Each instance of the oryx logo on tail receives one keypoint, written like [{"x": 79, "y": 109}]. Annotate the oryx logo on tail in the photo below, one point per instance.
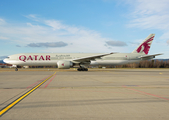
[{"x": 144, "y": 47}]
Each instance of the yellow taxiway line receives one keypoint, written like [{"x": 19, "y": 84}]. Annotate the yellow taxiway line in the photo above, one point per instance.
[{"x": 5, "y": 109}]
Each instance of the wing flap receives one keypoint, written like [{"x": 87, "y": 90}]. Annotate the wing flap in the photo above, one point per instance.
[{"x": 89, "y": 58}]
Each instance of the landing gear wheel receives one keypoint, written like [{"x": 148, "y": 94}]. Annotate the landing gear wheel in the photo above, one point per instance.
[
  {"x": 16, "y": 69},
  {"x": 82, "y": 69},
  {"x": 79, "y": 69}
]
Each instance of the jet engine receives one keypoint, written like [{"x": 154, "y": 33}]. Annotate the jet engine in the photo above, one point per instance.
[{"x": 64, "y": 64}]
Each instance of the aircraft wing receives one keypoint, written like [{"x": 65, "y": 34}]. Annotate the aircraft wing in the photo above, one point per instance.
[
  {"x": 148, "y": 56},
  {"x": 89, "y": 58}
]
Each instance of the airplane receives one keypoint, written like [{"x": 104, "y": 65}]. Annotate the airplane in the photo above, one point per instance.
[{"x": 68, "y": 60}]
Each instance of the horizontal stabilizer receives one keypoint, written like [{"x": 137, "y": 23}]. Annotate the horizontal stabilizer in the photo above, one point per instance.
[{"x": 147, "y": 56}]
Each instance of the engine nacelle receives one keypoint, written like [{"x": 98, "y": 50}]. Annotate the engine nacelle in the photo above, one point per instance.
[{"x": 64, "y": 64}]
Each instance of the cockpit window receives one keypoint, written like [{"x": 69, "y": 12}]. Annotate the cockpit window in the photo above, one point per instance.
[{"x": 7, "y": 57}]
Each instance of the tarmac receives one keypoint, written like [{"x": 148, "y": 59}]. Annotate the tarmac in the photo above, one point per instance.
[{"x": 99, "y": 94}]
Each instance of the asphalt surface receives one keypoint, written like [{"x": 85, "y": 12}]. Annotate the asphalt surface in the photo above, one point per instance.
[{"x": 110, "y": 94}]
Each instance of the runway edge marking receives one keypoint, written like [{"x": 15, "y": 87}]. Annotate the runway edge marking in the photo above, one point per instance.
[{"x": 12, "y": 104}]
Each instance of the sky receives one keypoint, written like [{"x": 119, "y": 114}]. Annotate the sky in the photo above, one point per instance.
[{"x": 82, "y": 26}]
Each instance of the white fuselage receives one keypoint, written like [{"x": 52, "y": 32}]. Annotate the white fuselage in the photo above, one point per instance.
[{"x": 51, "y": 59}]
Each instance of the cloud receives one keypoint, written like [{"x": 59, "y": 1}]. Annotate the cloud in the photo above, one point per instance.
[
  {"x": 149, "y": 14},
  {"x": 3, "y": 38},
  {"x": 151, "y": 22},
  {"x": 116, "y": 43},
  {"x": 18, "y": 46},
  {"x": 2, "y": 21},
  {"x": 168, "y": 42},
  {"x": 69, "y": 30},
  {"x": 53, "y": 35},
  {"x": 55, "y": 24},
  {"x": 33, "y": 17},
  {"x": 165, "y": 36},
  {"x": 52, "y": 44}
]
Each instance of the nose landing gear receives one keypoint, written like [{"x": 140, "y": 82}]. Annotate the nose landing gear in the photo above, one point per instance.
[{"x": 16, "y": 69}]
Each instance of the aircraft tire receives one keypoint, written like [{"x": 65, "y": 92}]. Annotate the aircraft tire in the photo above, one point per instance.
[{"x": 82, "y": 69}]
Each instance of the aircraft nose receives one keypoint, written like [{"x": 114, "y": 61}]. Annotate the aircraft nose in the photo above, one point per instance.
[{"x": 4, "y": 61}]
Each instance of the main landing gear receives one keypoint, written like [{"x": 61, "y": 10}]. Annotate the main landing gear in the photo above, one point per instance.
[{"x": 82, "y": 69}]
